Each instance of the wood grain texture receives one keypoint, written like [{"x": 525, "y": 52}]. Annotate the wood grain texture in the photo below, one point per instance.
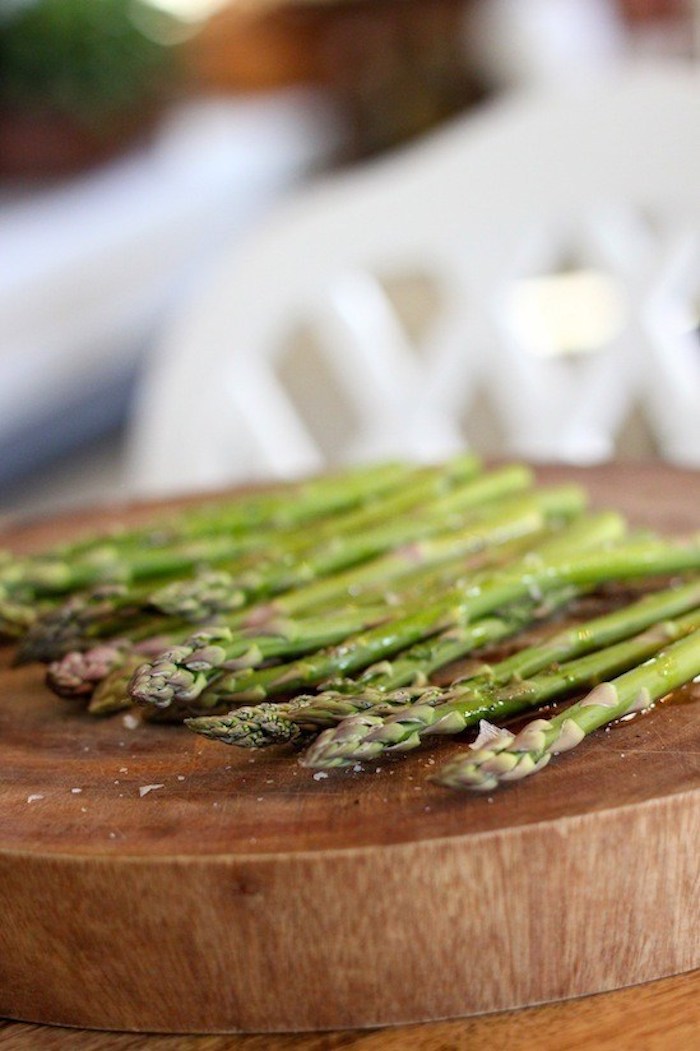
[
  {"x": 652, "y": 1017},
  {"x": 245, "y": 895}
]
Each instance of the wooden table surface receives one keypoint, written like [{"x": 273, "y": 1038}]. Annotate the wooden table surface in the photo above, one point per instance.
[
  {"x": 653, "y": 1017},
  {"x": 660, "y": 1014}
]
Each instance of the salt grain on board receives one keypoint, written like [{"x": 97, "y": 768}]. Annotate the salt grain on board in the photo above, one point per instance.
[
  {"x": 130, "y": 721},
  {"x": 319, "y": 775},
  {"x": 145, "y": 789},
  {"x": 76, "y": 791},
  {"x": 33, "y": 798}
]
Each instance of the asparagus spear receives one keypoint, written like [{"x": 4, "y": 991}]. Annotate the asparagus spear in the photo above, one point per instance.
[
  {"x": 78, "y": 676},
  {"x": 336, "y": 554},
  {"x": 368, "y": 736},
  {"x": 284, "y": 554},
  {"x": 282, "y": 508},
  {"x": 72, "y": 675},
  {"x": 224, "y": 592},
  {"x": 453, "y": 708},
  {"x": 404, "y": 564},
  {"x": 500, "y": 756},
  {"x": 75, "y": 673},
  {"x": 110, "y": 693},
  {"x": 219, "y": 533},
  {"x": 183, "y": 674},
  {"x": 308, "y": 501},
  {"x": 276, "y": 723},
  {"x": 116, "y": 609},
  {"x": 180, "y": 674},
  {"x": 417, "y": 663},
  {"x": 459, "y": 606},
  {"x": 78, "y": 673}
]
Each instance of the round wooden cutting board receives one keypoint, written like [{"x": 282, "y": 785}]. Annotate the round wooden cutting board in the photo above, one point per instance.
[{"x": 153, "y": 880}]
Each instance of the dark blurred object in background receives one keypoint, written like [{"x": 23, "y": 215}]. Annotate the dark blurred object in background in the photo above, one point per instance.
[
  {"x": 79, "y": 79},
  {"x": 398, "y": 69},
  {"x": 395, "y": 67}
]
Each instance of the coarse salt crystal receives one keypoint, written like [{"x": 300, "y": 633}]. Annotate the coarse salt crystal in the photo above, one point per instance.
[
  {"x": 130, "y": 721},
  {"x": 145, "y": 789},
  {"x": 181, "y": 777},
  {"x": 320, "y": 775},
  {"x": 33, "y": 798},
  {"x": 76, "y": 791}
]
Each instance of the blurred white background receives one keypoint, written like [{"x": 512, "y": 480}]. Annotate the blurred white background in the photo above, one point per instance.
[{"x": 123, "y": 177}]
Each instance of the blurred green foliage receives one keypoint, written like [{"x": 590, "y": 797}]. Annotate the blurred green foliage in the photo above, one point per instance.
[{"x": 91, "y": 60}]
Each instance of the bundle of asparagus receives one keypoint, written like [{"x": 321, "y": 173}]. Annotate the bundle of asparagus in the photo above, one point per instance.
[{"x": 335, "y": 603}]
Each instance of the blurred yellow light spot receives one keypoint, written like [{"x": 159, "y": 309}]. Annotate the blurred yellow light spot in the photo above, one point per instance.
[{"x": 574, "y": 312}]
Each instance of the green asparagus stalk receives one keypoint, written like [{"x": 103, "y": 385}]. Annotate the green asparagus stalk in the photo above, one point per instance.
[
  {"x": 75, "y": 673},
  {"x": 183, "y": 674},
  {"x": 78, "y": 676},
  {"x": 368, "y": 736},
  {"x": 19, "y": 610},
  {"x": 459, "y": 606},
  {"x": 291, "y": 506},
  {"x": 283, "y": 555},
  {"x": 222, "y": 532},
  {"x": 110, "y": 694},
  {"x": 470, "y": 699},
  {"x": 55, "y": 577},
  {"x": 416, "y": 664},
  {"x": 71, "y": 675},
  {"x": 284, "y": 507},
  {"x": 277, "y": 723},
  {"x": 337, "y": 554},
  {"x": 404, "y": 565},
  {"x": 415, "y": 494},
  {"x": 223, "y": 591},
  {"x": 82, "y": 619},
  {"x": 500, "y": 756},
  {"x": 78, "y": 673}
]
